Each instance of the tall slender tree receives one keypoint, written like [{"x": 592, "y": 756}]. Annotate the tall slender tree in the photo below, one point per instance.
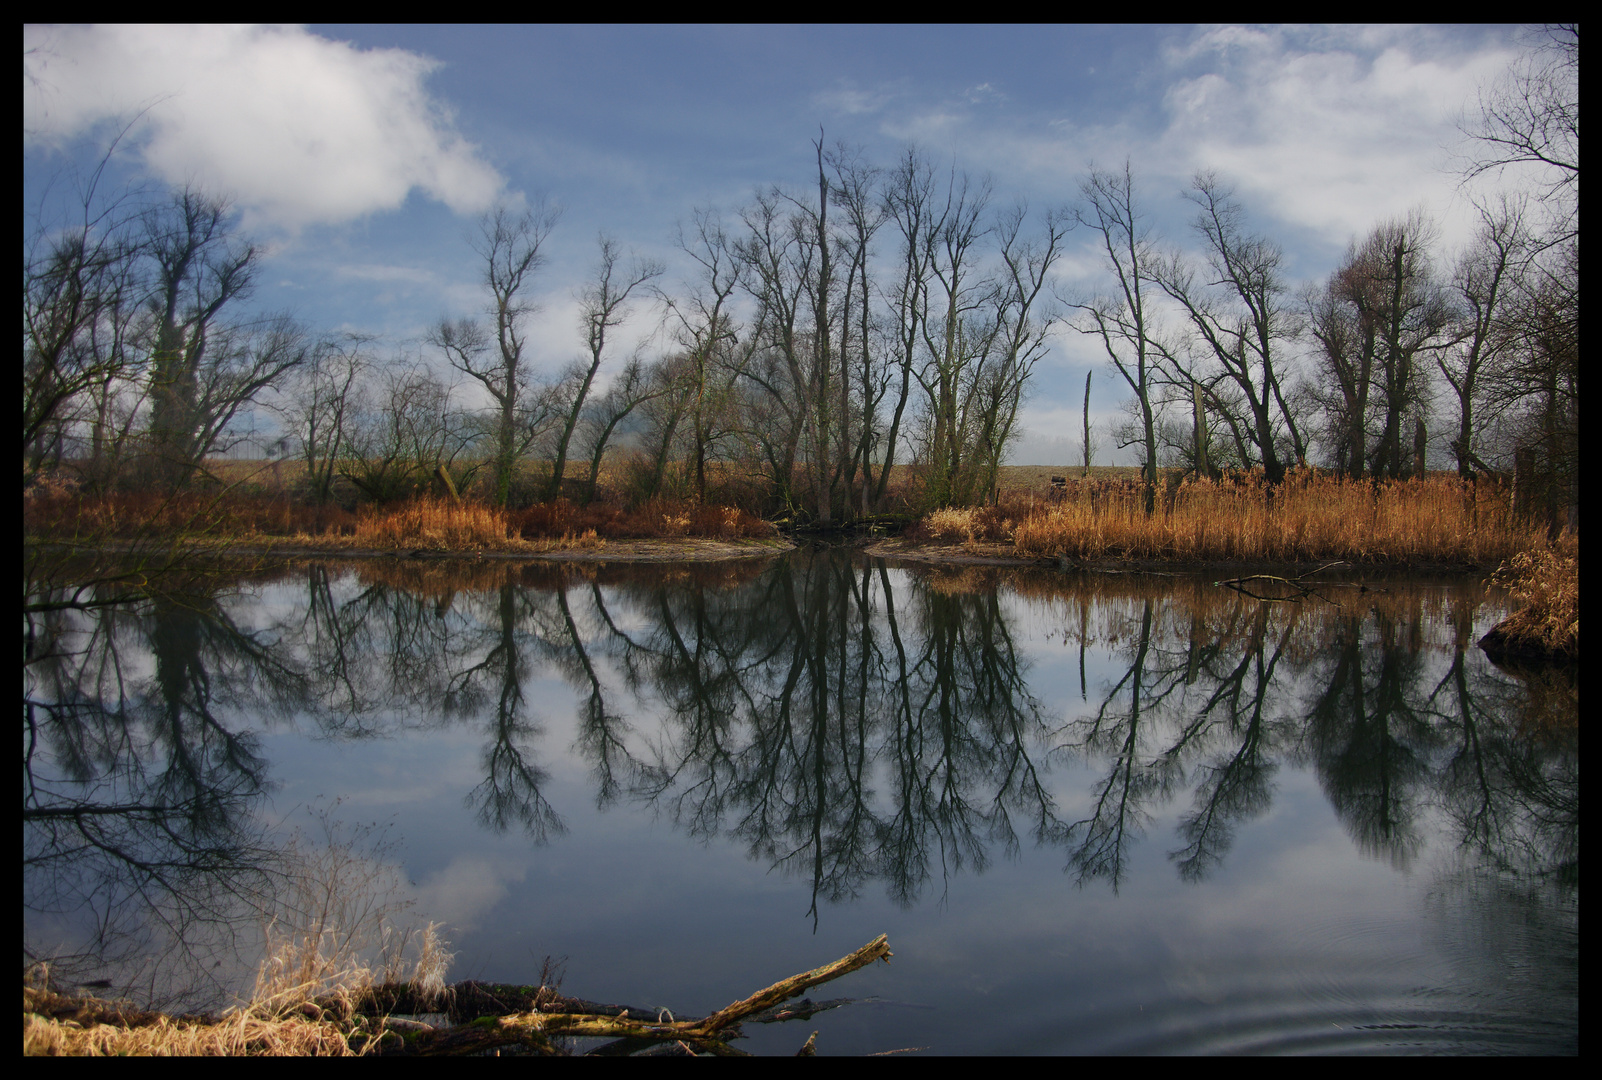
[
  {"x": 1121, "y": 319},
  {"x": 511, "y": 246},
  {"x": 1240, "y": 315},
  {"x": 604, "y": 303}
]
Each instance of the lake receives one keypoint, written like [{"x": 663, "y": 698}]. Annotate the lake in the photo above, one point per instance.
[{"x": 1094, "y": 814}]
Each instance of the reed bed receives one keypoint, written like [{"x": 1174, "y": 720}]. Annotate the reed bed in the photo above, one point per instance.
[{"x": 1311, "y": 517}]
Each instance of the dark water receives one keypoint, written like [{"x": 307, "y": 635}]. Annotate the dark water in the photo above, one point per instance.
[{"x": 1109, "y": 814}]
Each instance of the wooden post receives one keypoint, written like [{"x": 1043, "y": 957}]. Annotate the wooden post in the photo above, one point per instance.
[{"x": 1086, "y": 470}]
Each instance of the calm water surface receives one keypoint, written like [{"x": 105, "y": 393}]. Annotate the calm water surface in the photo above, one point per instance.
[{"x": 1106, "y": 814}]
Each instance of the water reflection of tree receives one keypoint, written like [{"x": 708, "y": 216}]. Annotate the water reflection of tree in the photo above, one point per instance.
[
  {"x": 790, "y": 696},
  {"x": 139, "y": 794},
  {"x": 793, "y": 691},
  {"x": 1511, "y": 779},
  {"x": 1369, "y": 736},
  {"x": 844, "y": 722},
  {"x": 1236, "y": 777},
  {"x": 503, "y": 641},
  {"x": 962, "y": 743}
]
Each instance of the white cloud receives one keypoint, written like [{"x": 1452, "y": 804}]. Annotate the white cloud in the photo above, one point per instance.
[
  {"x": 383, "y": 272},
  {"x": 852, "y": 101},
  {"x": 296, "y": 128},
  {"x": 1331, "y": 131},
  {"x": 983, "y": 93}
]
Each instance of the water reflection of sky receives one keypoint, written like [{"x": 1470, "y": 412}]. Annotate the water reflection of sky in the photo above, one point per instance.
[{"x": 1290, "y": 938}]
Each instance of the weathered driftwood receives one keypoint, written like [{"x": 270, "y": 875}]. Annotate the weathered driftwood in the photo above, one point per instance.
[{"x": 535, "y": 1028}]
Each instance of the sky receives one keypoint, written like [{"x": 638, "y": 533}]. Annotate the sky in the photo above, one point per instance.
[{"x": 360, "y": 157}]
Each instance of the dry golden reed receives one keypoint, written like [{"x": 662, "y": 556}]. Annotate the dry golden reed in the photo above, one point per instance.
[
  {"x": 303, "y": 1005},
  {"x": 432, "y": 524},
  {"x": 235, "y": 1035},
  {"x": 1547, "y": 584},
  {"x": 1311, "y": 517}
]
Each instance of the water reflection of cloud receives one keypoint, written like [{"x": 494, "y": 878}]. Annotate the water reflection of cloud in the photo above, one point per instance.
[{"x": 466, "y": 891}]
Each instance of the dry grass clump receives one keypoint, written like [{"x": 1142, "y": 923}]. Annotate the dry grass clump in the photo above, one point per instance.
[
  {"x": 57, "y": 1026},
  {"x": 1312, "y": 516},
  {"x": 972, "y": 524},
  {"x": 306, "y": 1001},
  {"x": 304, "y": 1004},
  {"x": 1547, "y": 583},
  {"x": 432, "y": 524}
]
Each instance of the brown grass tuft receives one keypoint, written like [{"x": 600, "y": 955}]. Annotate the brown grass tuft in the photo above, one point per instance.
[
  {"x": 432, "y": 524},
  {"x": 1547, "y": 583},
  {"x": 972, "y": 524}
]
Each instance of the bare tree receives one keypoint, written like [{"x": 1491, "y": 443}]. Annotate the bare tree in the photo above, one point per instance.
[
  {"x": 1536, "y": 386},
  {"x": 1395, "y": 279},
  {"x": 245, "y": 362},
  {"x": 1483, "y": 282},
  {"x": 604, "y": 302},
  {"x": 197, "y": 383},
  {"x": 1531, "y": 117},
  {"x": 1239, "y": 314},
  {"x": 400, "y": 432},
  {"x": 510, "y": 245},
  {"x": 79, "y": 303},
  {"x": 1347, "y": 342},
  {"x": 632, "y": 388},
  {"x": 1379, "y": 315},
  {"x": 1024, "y": 318},
  {"x": 958, "y": 331},
  {"x": 671, "y": 392},
  {"x": 776, "y": 256},
  {"x": 861, "y": 370},
  {"x": 909, "y": 201},
  {"x": 1087, "y": 447},
  {"x": 320, "y": 408},
  {"x": 704, "y": 325},
  {"x": 1121, "y": 320}
]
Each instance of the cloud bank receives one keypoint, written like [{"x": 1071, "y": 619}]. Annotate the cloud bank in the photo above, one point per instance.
[{"x": 299, "y": 130}]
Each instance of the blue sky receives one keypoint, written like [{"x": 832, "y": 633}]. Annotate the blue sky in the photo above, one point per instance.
[{"x": 361, "y": 155}]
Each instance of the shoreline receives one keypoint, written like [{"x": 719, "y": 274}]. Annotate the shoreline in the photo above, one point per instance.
[
  {"x": 689, "y": 549},
  {"x": 674, "y": 549},
  {"x": 997, "y": 553}
]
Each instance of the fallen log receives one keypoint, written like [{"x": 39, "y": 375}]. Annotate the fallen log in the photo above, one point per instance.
[{"x": 536, "y": 1029}]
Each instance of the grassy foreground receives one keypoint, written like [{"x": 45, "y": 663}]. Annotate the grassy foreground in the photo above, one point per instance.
[{"x": 355, "y": 1019}]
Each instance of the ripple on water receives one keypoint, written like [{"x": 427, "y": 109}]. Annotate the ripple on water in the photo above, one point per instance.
[{"x": 1218, "y": 1009}]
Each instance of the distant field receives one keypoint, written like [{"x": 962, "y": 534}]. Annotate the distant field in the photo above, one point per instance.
[{"x": 1036, "y": 479}]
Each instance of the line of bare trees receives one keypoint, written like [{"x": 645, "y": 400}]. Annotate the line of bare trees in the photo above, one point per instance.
[
  {"x": 827, "y": 333},
  {"x": 1228, "y": 364},
  {"x": 133, "y": 342}
]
